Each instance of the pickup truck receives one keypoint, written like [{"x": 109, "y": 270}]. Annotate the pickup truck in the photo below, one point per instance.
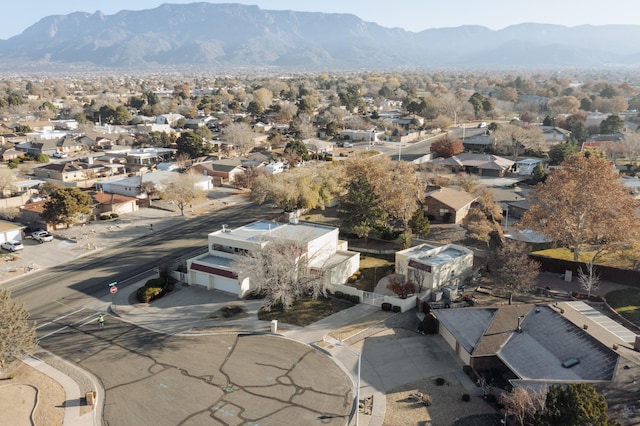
[{"x": 42, "y": 236}]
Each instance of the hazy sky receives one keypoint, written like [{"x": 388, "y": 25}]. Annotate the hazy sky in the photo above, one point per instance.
[{"x": 412, "y": 15}]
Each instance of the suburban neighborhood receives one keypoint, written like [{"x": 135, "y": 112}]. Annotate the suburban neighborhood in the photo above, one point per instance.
[{"x": 347, "y": 248}]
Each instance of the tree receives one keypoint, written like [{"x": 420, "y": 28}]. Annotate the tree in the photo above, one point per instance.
[
  {"x": 182, "y": 190},
  {"x": 478, "y": 226},
  {"x": 66, "y": 204},
  {"x": 560, "y": 152},
  {"x": 476, "y": 101},
  {"x": 512, "y": 270},
  {"x": 419, "y": 223},
  {"x": 612, "y": 124},
  {"x": 149, "y": 189},
  {"x": 447, "y": 147},
  {"x": 280, "y": 271},
  {"x": 404, "y": 192},
  {"x": 17, "y": 334},
  {"x": 360, "y": 208},
  {"x": 7, "y": 179},
  {"x": 299, "y": 188},
  {"x": 241, "y": 137},
  {"x": 514, "y": 139},
  {"x": 574, "y": 404},
  {"x": 483, "y": 219},
  {"x": 588, "y": 277},
  {"x": 401, "y": 287},
  {"x": 192, "y": 144},
  {"x": 583, "y": 205},
  {"x": 523, "y": 405}
]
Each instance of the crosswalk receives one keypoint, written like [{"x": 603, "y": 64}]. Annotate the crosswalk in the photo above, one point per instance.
[{"x": 77, "y": 319}]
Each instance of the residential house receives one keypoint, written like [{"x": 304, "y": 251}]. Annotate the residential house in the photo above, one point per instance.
[
  {"x": 223, "y": 172},
  {"x": 71, "y": 171},
  {"x": 132, "y": 186},
  {"x": 113, "y": 203},
  {"x": 594, "y": 119},
  {"x": 478, "y": 143},
  {"x": 528, "y": 165},
  {"x": 72, "y": 144},
  {"x": 433, "y": 268},
  {"x": 7, "y": 154},
  {"x": 34, "y": 149},
  {"x": 554, "y": 135},
  {"x": 10, "y": 231},
  {"x": 328, "y": 256},
  {"x": 317, "y": 146},
  {"x": 171, "y": 119},
  {"x": 446, "y": 204},
  {"x": 526, "y": 343},
  {"x": 479, "y": 164}
]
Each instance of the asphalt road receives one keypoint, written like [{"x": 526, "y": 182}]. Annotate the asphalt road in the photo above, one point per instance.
[
  {"x": 53, "y": 292},
  {"x": 153, "y": 378}
]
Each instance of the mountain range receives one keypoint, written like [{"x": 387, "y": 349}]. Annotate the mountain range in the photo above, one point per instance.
[{"x": 234, "y": 36}]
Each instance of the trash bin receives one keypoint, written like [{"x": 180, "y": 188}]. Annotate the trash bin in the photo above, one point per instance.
[{"x": 274, "y": 326}]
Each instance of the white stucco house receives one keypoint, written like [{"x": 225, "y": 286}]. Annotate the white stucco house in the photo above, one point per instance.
[
  {"x": 132, "y": 186},
  {"x": 327, "y": 254},
  {"x": 10, "y": 231},
  {"x": 435, "y": 267}
]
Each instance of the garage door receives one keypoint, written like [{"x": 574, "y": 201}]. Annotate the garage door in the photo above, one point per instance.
[
  {"x": 201, "y": 278},
  {"x": 226, "y": 284}
]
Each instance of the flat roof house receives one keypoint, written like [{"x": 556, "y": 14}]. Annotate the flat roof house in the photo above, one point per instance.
[{"x": 326, "y": 253}]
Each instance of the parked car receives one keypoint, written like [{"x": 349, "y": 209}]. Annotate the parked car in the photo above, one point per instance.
[
  {"x": 59, "y": 154},
  {"x": 347, "y": 145},
  {"x": 12, "y": 245},
  {"x": 42, "y": 236},
  {"x": 482, "y": 125}
]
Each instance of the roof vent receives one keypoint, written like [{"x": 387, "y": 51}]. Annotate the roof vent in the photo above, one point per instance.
[{"x": 224, "y": 228}]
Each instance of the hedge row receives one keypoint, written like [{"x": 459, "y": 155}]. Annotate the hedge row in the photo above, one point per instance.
[{"x": 355, "y": 299}]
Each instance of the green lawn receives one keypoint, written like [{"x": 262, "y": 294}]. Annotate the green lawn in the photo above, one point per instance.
[
  {"x": 306, "y": 311},
  {"x": 622, "y": 259},
  {"x": 626, "y": 302}
]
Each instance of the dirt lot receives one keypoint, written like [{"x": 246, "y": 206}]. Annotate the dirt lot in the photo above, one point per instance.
[{"x": 27, "y": 390}]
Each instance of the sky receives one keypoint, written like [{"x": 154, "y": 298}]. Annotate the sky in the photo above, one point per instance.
[{"x": 412, "y": 15}]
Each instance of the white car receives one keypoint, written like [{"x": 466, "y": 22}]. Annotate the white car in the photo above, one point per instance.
[
  {"x": 12, "y": 245},
  {"x": 42, "y": 236},
  {"x": 59, "y": 154},
  {"x": 347, "y": 145}
]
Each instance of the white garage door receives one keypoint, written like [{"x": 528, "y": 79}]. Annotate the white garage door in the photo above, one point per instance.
[
  {"x": 226, "y": 284},
  {"x": 201, "y": 278}
]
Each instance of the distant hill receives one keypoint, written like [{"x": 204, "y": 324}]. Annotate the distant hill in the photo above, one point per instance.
[{"x": 233, "y": 36}]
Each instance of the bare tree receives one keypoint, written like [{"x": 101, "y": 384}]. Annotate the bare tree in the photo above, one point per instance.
[
  {"x": 281, "y": 272},
  {"x": 512, "y": 270},
  {"x": 18, "y": 335},
  {"x": 241, "y": 136},
  {"x": 522, "y": 405},
  {"x": 182, "y": 190},
  {"x": 7, "y": 178},
  {"x": 588, "y": 277},
  {"x": 149, "y": 189}
]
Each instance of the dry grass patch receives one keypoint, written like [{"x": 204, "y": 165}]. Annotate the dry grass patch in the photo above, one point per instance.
[
  {"x": 446, "y": 404},
  {"x": 306, "y": 311}
]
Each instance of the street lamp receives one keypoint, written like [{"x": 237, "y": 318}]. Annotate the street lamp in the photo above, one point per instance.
[{"x": 359, "y": 355}]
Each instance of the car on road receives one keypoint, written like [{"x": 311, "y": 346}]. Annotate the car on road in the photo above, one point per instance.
[
  {"x": 12, "y": 245},
  {"x": 42, "y": 236},
  {"x": 347, "y": 145}
]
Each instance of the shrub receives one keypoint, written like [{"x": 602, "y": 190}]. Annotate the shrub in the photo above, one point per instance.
[
  {"x": 386, "y": 306},
  {"x": 105, "y": 217},
  {"x": 396, "y": 309},
  {"x": 339, "y": 294},
  {"x": 354, "y": 299},
  {"x": 114, "y": 215},
  {"x": 147, "y": 294},
  {"x": 466, "y": 397},
  {"x": 440, "y": 381},
  {"x": 230, "y": 310}
]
